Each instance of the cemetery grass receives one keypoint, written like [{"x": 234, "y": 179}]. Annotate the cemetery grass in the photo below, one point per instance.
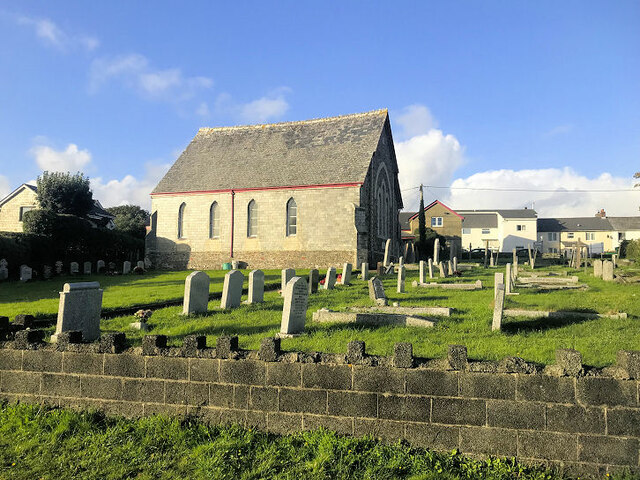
[{"x": 50, "y": 443}]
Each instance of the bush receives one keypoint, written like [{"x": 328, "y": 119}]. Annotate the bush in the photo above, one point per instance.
[{"x": 630, "y": 249}]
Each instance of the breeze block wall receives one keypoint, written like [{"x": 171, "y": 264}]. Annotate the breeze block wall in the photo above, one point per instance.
[{"x": 585, "y": 421}]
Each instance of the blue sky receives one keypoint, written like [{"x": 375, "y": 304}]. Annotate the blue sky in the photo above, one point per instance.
[{"x": 537, "y": 95}]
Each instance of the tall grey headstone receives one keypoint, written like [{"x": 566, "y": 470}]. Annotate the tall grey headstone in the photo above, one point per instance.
[
  {"x": 412, "y": 253},
  {"x": 100, "y": 266},
  {"x": 508, "y": 279},
  {"x": 406, "y": 251},
  {"x": 514, "y": 269},
  {"x": 436, "y": 251},
  {"x": 87, "y": 268},
  {"x": 455, "y": 264},
  {"x": 79, "y": 309},
  {"x": 74, "y": 268},
  {"x": 421, "y": 278},
  {"x": 443, "y": 272},
  {"x": 25, "y": 273},
  {"x": 59, "y": 266},
  {"x": 256, "y": 287},
  {"x": 286, "y": 275},
  {"x": 314, "y": 280},
  {"x": 365, "y": 271},
  {"x": 430, "y": 261},
  {"x": 450, "y": 268},
  {"x": 515, "y": 256},
  {"x": 597, "y": 268},
  {"x": 294, "y": 312},
  {"x": 401, "y": 278},
  {"x": 401, "y": 261},
  {"x": 498, "y": 278},
  {"x": 387, "y": 252},
  {"x": 196, "y": 293},
  {"x": 330, "y": 279},
  {"x": 345, "y": 279},
  {"x": 498, "y": 308},
  {"x": 232, "y": 289},
  {"x": 126, "y": 267},
  {"x": 376, "y": 291},
  {"x": 607, "y": 270}
]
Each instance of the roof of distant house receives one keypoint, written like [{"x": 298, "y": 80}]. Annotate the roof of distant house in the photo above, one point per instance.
[
  {"x": 480, "y": 220},
  {"x": 16, "y": 191},
  {"x": 403, "y": 218},
  {"x": 574, "y": 224},
  {"x": 515, "y": 213},
  {"x": 622, "y": 224}
]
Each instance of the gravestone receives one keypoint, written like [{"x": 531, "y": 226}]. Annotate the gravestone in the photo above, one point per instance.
[
  {"x": 450, "y": 268},
  {"x": 79, "y": 309},
  {"x": 412, "y": 253},
  {"x": 234, "y": 264},
  {"x": 401, "y": 261},
  {"x": 232, "y": 289},
  {"x": 387, "y": 252},
  {"x": 401, "y": 278},
  {"x": 365, "y": 271},
  {"x": 294, "y": 312},
  {"x": 514, "y": 269},
  {"x": 380, "y": 269},
  {"x": 25, "y": 273},
  {"x": 87, "y": 268},
  {"x": 376, "y": 291},
  {"x": 421, "y": 278},
  {"x": 330, "y": 279},
  {"x": 47, "y": 272},
  {"x": 59, "y": 266},
  {"x": 140, "y": 264},
  {"x": 455, "y": 264},
  {"x": 430, "y": 268},
  {"x": 508, "y": 278},
  {"x": 515, "y": 257},
  {"x": 256, "y": 287},
  {"x": 196, "y": 293},
  {"x": 498, "y": 308},
  {"x": 100, "y": 266},
  {"x": 147, "y": 263},
  {"x": 314, "y": 280},
  {"x": 346, "y": 274},
  {"x": 597, "y": 268},
  {"x": 491, "y": 262},
  {"x": 614, "y": 259},
  {"x": 74, "y": 268},
  {"x": 406, "y": 251},
  {"x": 436, "y": 251},
  {"x": 443, "y": 273},
  {"x": 126, "y": 267},
  {"x": 286, "y": 275},
  {"x": 607, "y": 270},
  {"x": 498, "y": 278}
]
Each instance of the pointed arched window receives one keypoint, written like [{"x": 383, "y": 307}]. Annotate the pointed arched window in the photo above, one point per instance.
[
  {"x": 214, "y": 221},
  {"x": 292, "y": 218},
  {"x": 252, "y": 219},
  {"x": 181, "y": 211}
]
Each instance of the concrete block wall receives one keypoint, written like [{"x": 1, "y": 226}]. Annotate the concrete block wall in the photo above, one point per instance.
[{"x": 587, "y": 423}]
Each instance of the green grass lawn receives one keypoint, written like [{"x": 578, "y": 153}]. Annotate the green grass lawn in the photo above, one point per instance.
[
  {"x": 532, "y": 339},
  {"x": 41, "y": 443}
]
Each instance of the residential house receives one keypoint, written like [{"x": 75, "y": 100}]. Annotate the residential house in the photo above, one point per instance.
[
  {"x": 438, "y": 217},
  {"x": 500, "y": 230},
  {"x": 559, "y": 234}
]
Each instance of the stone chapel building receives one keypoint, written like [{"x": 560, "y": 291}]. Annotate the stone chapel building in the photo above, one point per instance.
[{"x": 296, "y": 194}]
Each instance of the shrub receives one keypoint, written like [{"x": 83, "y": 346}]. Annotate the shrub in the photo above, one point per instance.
[{"x": 631, "y": 250}]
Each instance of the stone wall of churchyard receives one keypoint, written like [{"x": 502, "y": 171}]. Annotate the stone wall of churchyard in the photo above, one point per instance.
[
  {"x": 325, "y": 234},
  {"x": 586, "y": 422}
]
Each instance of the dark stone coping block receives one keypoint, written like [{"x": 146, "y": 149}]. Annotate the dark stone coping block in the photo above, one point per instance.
[
  {"x": 113, "y": 343},
  {"x": 356, "y": 351},
  {"x": 70, "y": 337},
  {"x": 457, "y": 357},
  {"x": 569, "y": 360},
  {"x": 23, "y": 320},
  {"x": 192, "y": 343},
  {"x": 403, "y": 355},
  {"x": 152, "y": 344},
  {"x": 629, "y": 360},
  {"x": 226, "y": 346},
  {"x": 28, "y": 339},
  {"x": 269, "y": 349}
]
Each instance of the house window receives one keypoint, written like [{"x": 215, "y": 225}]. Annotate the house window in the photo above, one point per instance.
[
  {"x": 552, "y": 236},
  {"x": 292, "y": 218},
  {"x": 181, "y": 210},
  {"x": 591, "y": 235},
  {"x": 521, "y": 228},
  {"x": 24, "y": 210},
  {"x": 252, "y": 219},
  {"x": 486, "y": 231},
  {"x": 570, "y": 235},
  {"x": 214, "y": 221},
  {"x": 466, "y": 231},
  {"x": 436, "y": 221}
]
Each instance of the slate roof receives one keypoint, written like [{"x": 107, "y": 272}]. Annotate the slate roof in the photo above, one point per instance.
[
  {"x": 516, "y": 213},
  {"x": 480, "y": 220},
  {"x": 403, "y": 218},
  {"x": 324, "y": 151},
  {"x": 574, "y": 224},
  {"x": 623, "y": 224}
]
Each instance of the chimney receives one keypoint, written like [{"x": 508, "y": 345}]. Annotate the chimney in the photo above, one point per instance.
[{"x": 601, "y": 213}]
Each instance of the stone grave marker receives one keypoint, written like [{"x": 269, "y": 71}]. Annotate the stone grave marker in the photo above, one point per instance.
[
  {"x": 515, "y": 256},
  {"x": 256, "y": 286},
  {"x": 314, "y": 280},
  {"x": 597, "y": 268},
  {"x": 436, "y": 251},
  {"x": 508, "y": 278},
  {"x": 232, "y": 289},
  {"x": 498, "y": 278},
  {"x": 47, "y": 272},
  {"x": 421, "y": 278},
  {"x": 100, "y": 266},
  {"x": 401, "y": 261},
  {"x": 498, "y": 308},
  {"x": 140, "y": 264},
  {"x": 294, "y": 312},
  {"x": 450, "y": 268},
  {"x": 87, "y": 268},
  {"x": 330, "y": 279},
  {"x": 614, "y": 259},
  {"x": 387, "y": 252},
  {"x": 79, "y": 309},
  {"x": 443, "y": 273},
  {"x": 607, "y": 270},
  {"x": 491, "y": 261},
  {"x": 196, "y": 293},
  {"x": 234, "y": 265},
  {"x": 286, "y": 275},
  {"x": 346, "y": 274},
  {"x": 401, "y": 278},
  {"x": 147, "y": 263},
  {"x": 514, "y": 269},
  {"x": 430, "y": 262},
  {"x": 59, "y": 266},
  {"x": 376, "y": 291},
  {"x": 74, "y": 268},
  {"x": 412, "y": 253},
  {"x": 365, "y": 271},
  {"x": 406, "y": 251},
  {"x": 26, "y": 273},
  {"x": 126, "y": 267},
  {"x": 380, "y": 269},
  {"x": 455, "y": 264}
]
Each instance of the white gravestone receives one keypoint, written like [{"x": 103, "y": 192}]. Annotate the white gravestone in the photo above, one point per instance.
[
  {"x": 430, "y": 262},
  {"x": 376, "y": 291},
  {"x": 365, "y": 271},
  {"x": 422, "y": 278},
  {"x": 126, "y": 267},
  {"x": 25, "y": 273},
  {"x": 74, "y": 268},
  {"x": 491, "y": 262},
  {"x": 607, "y": 270},
  {"x": 401, "y": 278},
  {"x": 100, "y": 266},
  {"x": 286, "y": 275},
  {"x": 443, "y": 273},
  {"x": 59, "y": 266},
  {"x": 196, "y": 293},
  {"x": 87, "y": 268},
  {"x": 498, "y": 278},
  {"x": 498, "y": 308},
  {"x": 232, "y": 289},
  {"x": 436, "y": 251},
  {"x": 330, "y": 279},
  {"x": 450, "y": 268},
  {"x": 256, "y": 286},
  {"x": 597, "y": 268},
  {"x": 387, "y": 252},
  {"x": 79, "y": 309},
  {"x": 294, "y": 312},
  {"x": 401, "y": 261},
  {"x": 346, "y": 274},
  {"x": 140, "y": 264},
  {"x": 455, "y": 264}
]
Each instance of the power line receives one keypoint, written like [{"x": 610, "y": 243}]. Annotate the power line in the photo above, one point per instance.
[{"x": 542, "y": 190}]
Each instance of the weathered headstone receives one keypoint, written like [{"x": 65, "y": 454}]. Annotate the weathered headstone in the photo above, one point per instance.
[
  {"x": 443, "y": 272},
  {"x": 514, "y": 269},
  {"x": 100, "y": 266},
  {"x": 140, "y": 264},
  {"x": 498, "y": 308},
  {"x": 294, "y": 312},
  {"x": 597, "y": 268},
  {"x": 530, "y": 254},
  {"x": 387, "y": 252},
  {"x": 146, "y": 263},
  {"x": 421, "y": 278},
  {"x": 455, "y": 264},
  {"x": 87, "y": 268},
  {"x": 59, "y": 266},
  {"x": 401, "y": 278},
  {"x": 508, "y": 279},
  {"x": 256, "y": 287},
  {"x": 401, "y": 261},
  {"x": 450, "y": 268},
  {"x": 578, "y": 258},
  {"x": 436, "y": 251},
  {"x": 491, "y": 262},
  {"x": 79, "y": 309},
  {"x": 234, "y": 264},
  {"x": 607, "y": 270},
  {"x": 412, "y": 253},
  {"x": 614, "y": 259},
  {"x": 314, "y": 280},
  {"x": 365, "y": 271},
  {"x": 47, "y": 272},
  {"x": 330, "y": 279},
  {"x": 430, "y": 268},
  {"x": 376, "y": 291},
  {"x": 346, "y": 274},
  {"x": 196, "y": 293},
  {"x": 498, "y": 278},
  {"x": 453, "y": 250},
  {"x": 406, "y": 251},
  {"x": 126, "y": 267},
  {"x": 25, "y": 273},
  {"x": 380, "y": 269},
  {"x": 232, "y": 289},
  {"x": 515, "y": 256},
  {"x": 74, "y": 268},
  {"x": 286, "y": 275}
]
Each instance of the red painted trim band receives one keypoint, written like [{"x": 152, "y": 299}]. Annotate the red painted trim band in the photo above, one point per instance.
[{"x": 236, "y": 190}]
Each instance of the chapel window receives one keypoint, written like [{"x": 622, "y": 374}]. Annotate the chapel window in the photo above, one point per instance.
[
  {"x": 214, "y": 221},
  {"x": 252, "y": 219},
  {"x": 181, "y": 210},
  {"x": 292, "y": 218}
]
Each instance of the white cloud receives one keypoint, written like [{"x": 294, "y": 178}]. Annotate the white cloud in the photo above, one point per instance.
[
  {"x": 559, "y": 130},
  {"x": 52, "y": 35},
  {"x": 415, "y": 120},
  {"x": 135, "y": 71},
  {"x": 560, "y": 202},
  {"x": 70, "y": 159},
  {"x": 269, "y": 107}
]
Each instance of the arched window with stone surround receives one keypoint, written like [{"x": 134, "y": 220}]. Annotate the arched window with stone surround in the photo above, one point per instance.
[
  {"x": 252, "y": 219},
  {"x": 181, "y": 212},
  {"x": 292, "y": 218},
  {"x": 214, "y": 221},
  {"x": 382, "y": 195}
]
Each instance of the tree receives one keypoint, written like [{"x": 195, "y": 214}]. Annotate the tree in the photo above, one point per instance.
[
  {"x": 64, "y": 193},
  {"x": 422, "y": 229},
  {"x": 130, "y": 219}
]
